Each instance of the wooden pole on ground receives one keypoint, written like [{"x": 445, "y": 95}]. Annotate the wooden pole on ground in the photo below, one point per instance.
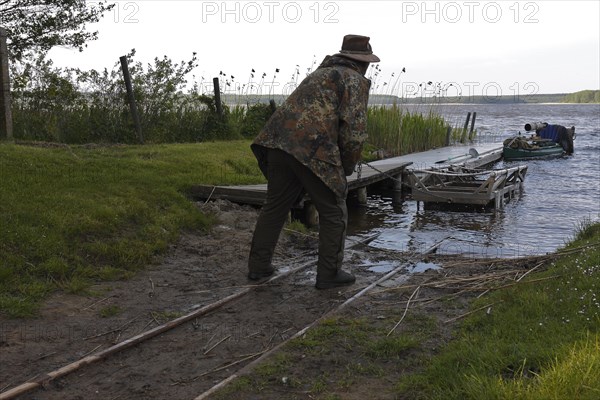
[
  {"x": 131, "y": 98},
  {"x": 218, "y": 97},
  {"x": 6, "y": 127}
]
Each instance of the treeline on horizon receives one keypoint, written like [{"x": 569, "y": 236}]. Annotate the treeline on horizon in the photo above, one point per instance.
[{"x": 584, "y": 96}]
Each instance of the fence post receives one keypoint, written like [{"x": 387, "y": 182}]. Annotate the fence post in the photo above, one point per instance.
[
  {"x": 6, "y": 126},
  {"x": 218, "y": 97},
  {"x": 131, "y": 98}
]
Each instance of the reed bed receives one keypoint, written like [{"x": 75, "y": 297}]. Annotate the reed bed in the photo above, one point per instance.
[
  {"x": 398, "y": 131},
  {"x": 73, "y": 106}
]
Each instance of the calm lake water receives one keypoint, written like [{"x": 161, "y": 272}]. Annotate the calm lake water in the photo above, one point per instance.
[{"x": 558, "y": 193}]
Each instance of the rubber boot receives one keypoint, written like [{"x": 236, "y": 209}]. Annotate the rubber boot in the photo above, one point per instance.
[{"x": 342, "y": 278}]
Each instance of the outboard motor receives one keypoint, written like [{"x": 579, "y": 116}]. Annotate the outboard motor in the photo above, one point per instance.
[{"x": 535, "y": 126}]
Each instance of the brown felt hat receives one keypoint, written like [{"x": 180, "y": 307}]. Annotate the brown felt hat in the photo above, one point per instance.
[{"x": 357, "y": 48}]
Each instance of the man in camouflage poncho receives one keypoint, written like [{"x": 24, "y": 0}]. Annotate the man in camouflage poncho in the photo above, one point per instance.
[{"x": 312, "y": 142}]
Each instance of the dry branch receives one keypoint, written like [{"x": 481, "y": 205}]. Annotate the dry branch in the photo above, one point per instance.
[
  {"x": 471, "y": 312},
  {"x": 230, "y": 364},
  {"x": 97, "y": 302},
  {"x": 218, "y": 343},
  {"x": 405, "y": 310}
]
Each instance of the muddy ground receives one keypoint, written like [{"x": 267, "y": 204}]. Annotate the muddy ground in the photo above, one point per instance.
[{"x": 189, "y": 359}]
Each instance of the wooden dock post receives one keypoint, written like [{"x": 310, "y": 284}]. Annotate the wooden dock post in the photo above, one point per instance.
[
  {"x": 464, "y": 132},
  {"x": 448, "y": 134},
  {"x": 217, "y": 90},
  {"x": 499, "y": 201},
  {"x": 397, "y": 189},
  {"x": 361, "y": 196},
  {"x": 6, "y": 126},
  {"x": 472, "y": 126},
  {"x": 131, "y": 98}
]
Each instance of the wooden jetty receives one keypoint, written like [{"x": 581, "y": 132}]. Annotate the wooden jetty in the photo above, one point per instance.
[
  {"x": 467, "y": 186},
  {"x": 393, "y": 170},
  {"x": 256, "y": 194}
]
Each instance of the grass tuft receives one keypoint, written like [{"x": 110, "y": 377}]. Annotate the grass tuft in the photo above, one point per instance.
[
  {"x": 391, "y": 347},
  {"x": 110, "y": 311}
]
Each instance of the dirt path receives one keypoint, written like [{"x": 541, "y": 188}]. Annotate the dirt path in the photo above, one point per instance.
[{"x": 187, "y": 360}]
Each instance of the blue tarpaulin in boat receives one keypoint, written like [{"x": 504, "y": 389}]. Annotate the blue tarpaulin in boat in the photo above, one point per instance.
[{"x": 551, "y": 132}]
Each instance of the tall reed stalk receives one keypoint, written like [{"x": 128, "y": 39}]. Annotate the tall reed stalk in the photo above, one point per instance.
[{"x": 397, "y": 131}]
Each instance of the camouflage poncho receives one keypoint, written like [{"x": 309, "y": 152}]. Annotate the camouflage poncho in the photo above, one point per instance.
[{"x": 323, "y": 123}]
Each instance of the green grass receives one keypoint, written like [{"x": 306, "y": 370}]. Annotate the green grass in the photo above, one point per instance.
[
  {"x": 110, "y": 311},
  {"x": 70, "y": 216},
  {"x": 541, "y": 341},
  {"x": 331, "y": 357}
]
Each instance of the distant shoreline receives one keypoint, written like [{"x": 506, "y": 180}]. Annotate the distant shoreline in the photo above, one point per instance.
[
  {"x": 486, "y": 104},
  {"x": 388, "y": 100}
]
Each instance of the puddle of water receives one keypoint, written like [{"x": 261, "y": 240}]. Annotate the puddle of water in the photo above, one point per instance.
[
  {"x": 423, "y": 266},
  {"x": 382, "y": 267}
]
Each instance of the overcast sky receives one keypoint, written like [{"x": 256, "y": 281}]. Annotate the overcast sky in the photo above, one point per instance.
[{"x": 480, "y": 47}]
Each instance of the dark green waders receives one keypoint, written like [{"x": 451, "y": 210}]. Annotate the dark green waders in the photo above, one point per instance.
[{"x": 287, "y": 179}]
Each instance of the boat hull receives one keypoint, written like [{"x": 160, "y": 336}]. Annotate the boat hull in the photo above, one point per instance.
[{"x": 510, "y": 154}]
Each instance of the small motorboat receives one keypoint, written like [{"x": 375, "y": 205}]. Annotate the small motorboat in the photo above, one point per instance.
[{"x": 547, "y": 141}]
